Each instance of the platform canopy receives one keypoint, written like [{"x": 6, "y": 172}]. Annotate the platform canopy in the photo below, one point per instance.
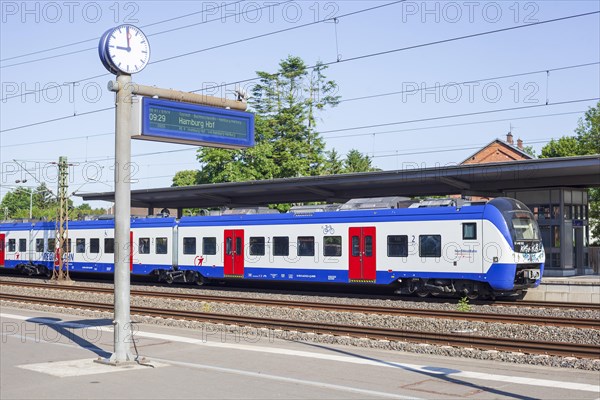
[{"x": 491, "y": 179}]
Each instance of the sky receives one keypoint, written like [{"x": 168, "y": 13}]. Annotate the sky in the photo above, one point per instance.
[{"x": 422, "y": 83}]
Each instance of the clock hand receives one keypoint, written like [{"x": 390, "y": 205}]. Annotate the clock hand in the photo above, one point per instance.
[
  {"x": 123, "y": 48},
  {"x": 128, "y": 37}
]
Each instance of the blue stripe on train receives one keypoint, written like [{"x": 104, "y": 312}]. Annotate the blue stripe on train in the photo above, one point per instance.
[{"x": 499, "y": 276}]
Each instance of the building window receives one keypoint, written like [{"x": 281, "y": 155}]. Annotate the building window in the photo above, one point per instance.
[
  {"x": 430, "y": 245},
  {"x": 567, "y": 212},
  {"x": 189, "y": 245},
  {"x": 161, "y": 245},
  {"x": 80, "y": 245},
  {"x": 556, "y": 236},
  {"x": 257, "y": 246},
  {"x": 12, "y": 245},
  {"x": 555, "y": 260},
  {"x": 281, "y": 246},
  {"x": 95, "y": 246},
  {"x": 109, "y": 245},
  {"x": 397, "y": 246},
  {"x": 22, "y": 244},
  {"x": 332, "y": 246},
  {"x": 39, "y": 245},
  {"x": 469, "y": 231},
  {"x": 209, "y": 246},
  {"x": 306, "y": 246}
]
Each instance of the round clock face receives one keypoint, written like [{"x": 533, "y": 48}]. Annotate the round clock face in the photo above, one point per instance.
[{"x": 127, "y": 49}]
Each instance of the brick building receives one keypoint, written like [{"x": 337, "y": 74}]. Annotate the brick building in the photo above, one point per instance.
[{"x": 498, "y": 151}]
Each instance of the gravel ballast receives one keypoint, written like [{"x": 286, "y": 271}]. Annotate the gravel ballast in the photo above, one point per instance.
[{"x": 516, "y": 331}]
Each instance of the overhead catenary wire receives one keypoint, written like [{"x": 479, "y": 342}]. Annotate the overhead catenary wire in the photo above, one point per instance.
[
  {"x": 267, "y": 5},
  {"x": 219, "y": 46},
  {"x": 141, "y": 26},
  {"x": 352, "y": 99},
  {"x": 336, "y": 61},
  {"x": 41, "y": 142}
]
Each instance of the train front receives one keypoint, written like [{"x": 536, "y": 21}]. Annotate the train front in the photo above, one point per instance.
[{"x": 523, "y": 266}]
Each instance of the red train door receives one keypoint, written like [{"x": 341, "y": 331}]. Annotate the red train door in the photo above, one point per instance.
[
  {"x": 2, "y": 248},
  {"x": 362, "y": 258},
  {"x": 234, "y": 253}
]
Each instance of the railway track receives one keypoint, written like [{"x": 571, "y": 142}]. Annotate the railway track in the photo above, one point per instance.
[
  {"x": 454, "y": 339},
  {"x": 398, "y": 311}
]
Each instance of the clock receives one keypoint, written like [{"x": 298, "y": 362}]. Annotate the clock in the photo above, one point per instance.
[{"x": 124, "y": 50}]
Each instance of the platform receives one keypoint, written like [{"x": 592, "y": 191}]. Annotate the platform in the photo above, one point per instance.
[
  {"x": 49, "y": 356},
  {"x": 572, "y": 289}
]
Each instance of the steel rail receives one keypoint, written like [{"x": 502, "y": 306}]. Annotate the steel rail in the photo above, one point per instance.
[
  {"x": 453, "y": 339},
  {"x": 402, "y": 311}
]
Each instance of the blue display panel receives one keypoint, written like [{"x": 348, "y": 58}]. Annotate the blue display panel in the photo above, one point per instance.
[{"x": 186, "y": 123}]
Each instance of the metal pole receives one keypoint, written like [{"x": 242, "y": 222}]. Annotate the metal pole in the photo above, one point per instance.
[
  {"x": 122, "y": 322},
  {"x": 31, "y": 203}
]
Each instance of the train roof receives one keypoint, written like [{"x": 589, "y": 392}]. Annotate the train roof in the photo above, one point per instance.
[
  {"x": 406, "y": 214},
  {"x": 349, "y": 216}
]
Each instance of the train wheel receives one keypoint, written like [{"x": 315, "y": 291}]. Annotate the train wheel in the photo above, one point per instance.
[
  {"x": 422, "y": 293},
  {"x": 200, "y": 281},
  {"x": 472, "y": 295}
]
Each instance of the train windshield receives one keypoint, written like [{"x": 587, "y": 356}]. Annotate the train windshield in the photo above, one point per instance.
[{"x": 524, "y": 226}]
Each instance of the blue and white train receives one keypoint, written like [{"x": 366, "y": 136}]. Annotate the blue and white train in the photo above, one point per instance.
[{"x": 489, "y": 249}]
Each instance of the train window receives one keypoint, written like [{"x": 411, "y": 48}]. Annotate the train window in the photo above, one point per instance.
[
  {"x": 229, "y": 246},
  {"x": 306, "y": 246},
  {"x": 144, "y": 245},
  {"x": 52, "y": 245},
  {"x": 332, "y": 246},
  {"x": 257, "y": 246},
  {"x": 22, "y": 244},
  {"x": 109, "y": 245},
  {"x": 397, "y": 246},
  {"x": 39, "y": 245},
  {"x": 469, "y": 231},
  {"x": 239, "y": 246},
  {"x": 95, "y": 246},
  {"x": 368, "y": 246},
  {"x": 80, "y": 245},
  {"x": 430, "y": 245},
  {"x": 161, "y": 245},
  {"x": 355, "y": 246},
  {"x": 209, "y": 246},
  {"x": 189, "y": 245},
  {"x": 281, "y": 246},
  {"x": 12, "y": 245}
]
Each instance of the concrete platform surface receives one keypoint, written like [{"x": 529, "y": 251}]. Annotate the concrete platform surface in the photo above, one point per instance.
[
  {"x": 571, "y": 289},
  {"x": 50, "y": 356}
]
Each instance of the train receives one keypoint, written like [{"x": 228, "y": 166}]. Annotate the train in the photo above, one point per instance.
[{"x": 426, "y": 248}]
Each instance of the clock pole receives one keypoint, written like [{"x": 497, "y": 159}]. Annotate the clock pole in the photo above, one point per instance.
[{"x": 123, "y": 248}]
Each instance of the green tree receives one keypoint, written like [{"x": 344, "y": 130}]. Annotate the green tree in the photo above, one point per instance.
[
  {"x": 357, "y": 162},
  {"x": 287, "y": 144},
  {"x": 529, "y": 150},
  {"x": 566, "y": 146},
  {"x": 16, "y": 203},
  {"x": 187, "y": 177},
  {"x": 586, "y": 141},
  {"x": 333, "y": 164}
]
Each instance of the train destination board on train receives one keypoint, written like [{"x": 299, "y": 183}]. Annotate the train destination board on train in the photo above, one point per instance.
[{"x": 186, "y": 123}]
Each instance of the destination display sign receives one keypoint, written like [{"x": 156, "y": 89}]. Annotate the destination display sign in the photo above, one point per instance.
[{"x": 186, "y": 123}]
